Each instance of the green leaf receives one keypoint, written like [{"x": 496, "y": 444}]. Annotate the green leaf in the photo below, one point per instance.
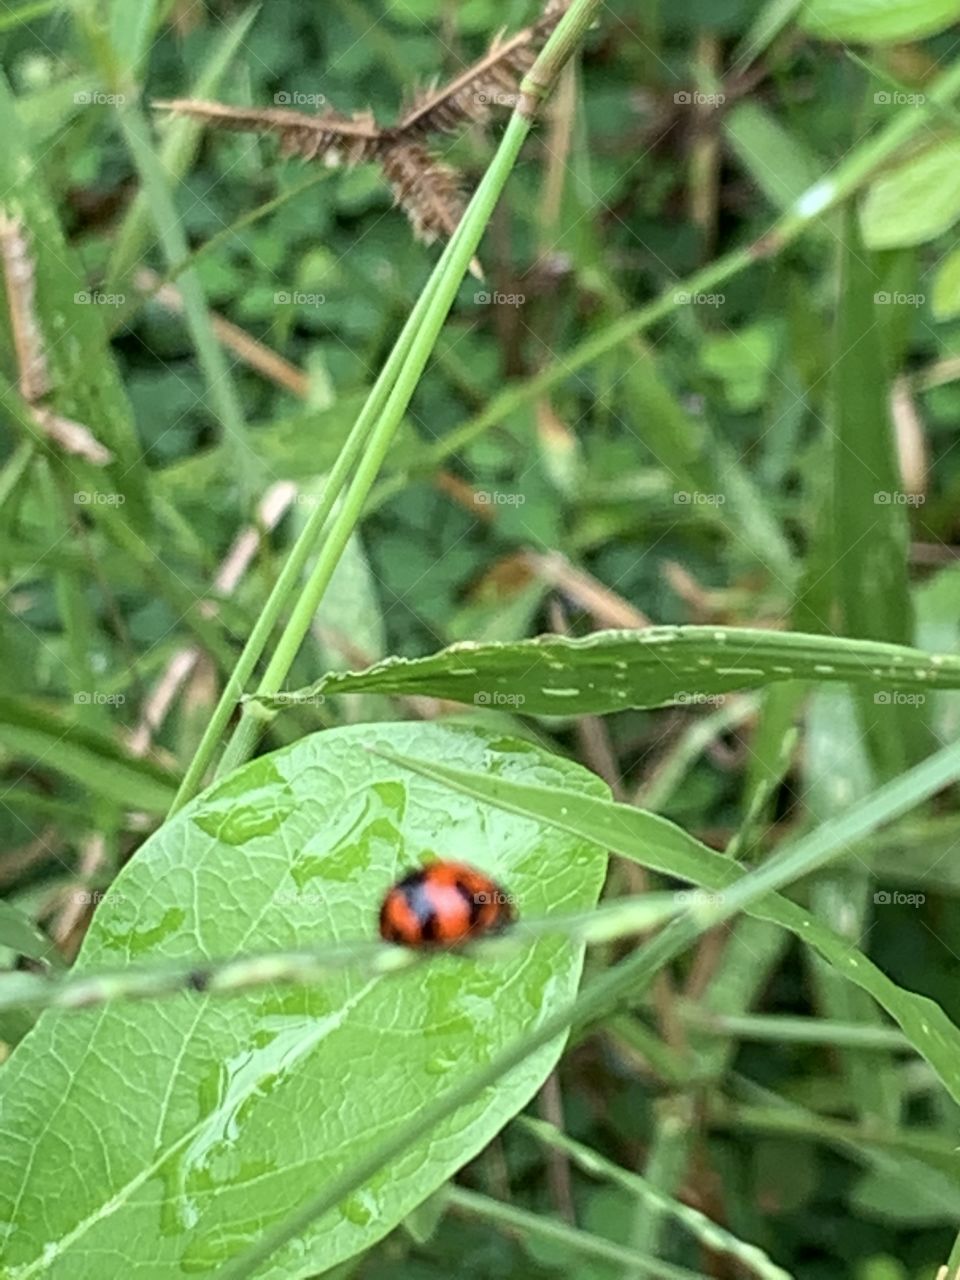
[
  {"x": 86, "y": 386},
  {"x": 194, "y": 1125},
  {"x": 93, "y": 759},
  {"x": 613, "y": 670},
  {"x": 877, "y": 21},
  {"x": 946, "y": 287},
  {"x": 869, "y": 533},
  {"x": 20, "y": 934},
  {"x": 778, "y": 162},
  {"x": 660, "y": 846},
  {"x": 916, "y": 201}
]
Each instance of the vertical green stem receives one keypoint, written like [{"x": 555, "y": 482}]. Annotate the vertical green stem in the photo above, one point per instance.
[
  {"x": 427, "y": 329},
  {"x": 386, "y": 406}
]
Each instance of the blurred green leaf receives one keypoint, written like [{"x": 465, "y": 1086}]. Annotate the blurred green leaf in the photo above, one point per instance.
[
  {"x": 915, "y": 201},
  {"x": 877, "y": 21}
]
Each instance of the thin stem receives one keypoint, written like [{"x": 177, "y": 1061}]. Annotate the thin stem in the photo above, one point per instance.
[
  {"x": 623, "y": 918},
  {"x": 424, "y": 325},
  {"x": 571, "y": 1239}
]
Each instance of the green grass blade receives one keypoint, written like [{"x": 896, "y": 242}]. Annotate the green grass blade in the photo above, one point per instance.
[{"x": 612, "y": 670}]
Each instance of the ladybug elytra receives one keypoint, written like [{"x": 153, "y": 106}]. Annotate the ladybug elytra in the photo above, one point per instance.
[{"x": 443, "y": 904}]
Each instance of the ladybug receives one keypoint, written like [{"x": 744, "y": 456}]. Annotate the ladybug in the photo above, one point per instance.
[{"x": 443, "y": 904}]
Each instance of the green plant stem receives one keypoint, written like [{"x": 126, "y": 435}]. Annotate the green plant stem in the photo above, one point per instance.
[
  {"x": 220, "y": 386},
  {"x": 573, "y": 1241},
  {"x": 708, "y": 1232},
  {"x": 450, "y": 272},
  {"x": 796, "y": 1030},
  {"x": 287, "y": 580},
  {"x": 621, "y": 918}
]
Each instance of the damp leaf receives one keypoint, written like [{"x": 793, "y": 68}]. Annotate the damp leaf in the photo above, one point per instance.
[{"x": 177, "y": 1132}]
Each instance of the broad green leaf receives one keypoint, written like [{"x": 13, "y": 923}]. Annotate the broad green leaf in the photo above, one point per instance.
[
  {"x": 877, "y": 21},
  {"x": 660, "y": 846},
  {"x": 916, "y": 201},
  {"x": 946, "y": 287},
  {"x": 176, "y": 1133},
  {"x": 612, "y": 670},
  {"x": 94, "y": 759}
]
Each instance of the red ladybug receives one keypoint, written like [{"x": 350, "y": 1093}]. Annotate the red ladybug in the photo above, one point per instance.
[{"x": 443, "y": 904}]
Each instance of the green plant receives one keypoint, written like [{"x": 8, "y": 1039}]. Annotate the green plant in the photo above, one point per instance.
[{"x": 748, "y": 1051}]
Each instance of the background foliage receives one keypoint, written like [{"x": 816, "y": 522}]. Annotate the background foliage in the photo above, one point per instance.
[{"x": 770, "y": 447}]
